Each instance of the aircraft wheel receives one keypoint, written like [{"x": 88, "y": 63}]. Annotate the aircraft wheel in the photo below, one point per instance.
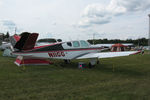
[
  {"x": 90, "y": 65},
  {"x": 98, "y": 61},
  {"x": 67, "y": 61}
]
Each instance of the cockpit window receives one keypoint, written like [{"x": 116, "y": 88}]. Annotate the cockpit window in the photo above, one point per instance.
[
  {"x": 84, "y": 43},
  {"x": 76, "y": 44},
  {"x": 69, "y": 44}
]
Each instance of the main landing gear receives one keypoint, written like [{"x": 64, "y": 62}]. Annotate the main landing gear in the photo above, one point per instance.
[
  {"x": 93, "y": 62},
  {"x": 67, "y": 61}
]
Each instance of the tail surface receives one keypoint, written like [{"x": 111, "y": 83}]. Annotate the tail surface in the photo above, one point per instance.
[
  {"x": 30, "y": 42},
  {"x": 26, "y": 42}
]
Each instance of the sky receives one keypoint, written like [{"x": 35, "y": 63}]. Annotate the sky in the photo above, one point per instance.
[{"x": 76, "y": 19}]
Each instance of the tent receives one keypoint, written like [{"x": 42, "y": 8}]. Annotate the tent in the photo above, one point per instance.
[{"x": 118, "y": 47}]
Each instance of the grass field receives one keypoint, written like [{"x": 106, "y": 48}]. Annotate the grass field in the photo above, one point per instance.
[{"x": 123, "y": 78}]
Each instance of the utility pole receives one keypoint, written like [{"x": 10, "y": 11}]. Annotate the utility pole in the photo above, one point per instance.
[
  {"x": 149, "y": 34},
  {"x": 93, "y": 38},
  {"x": 15, "y": 29}
]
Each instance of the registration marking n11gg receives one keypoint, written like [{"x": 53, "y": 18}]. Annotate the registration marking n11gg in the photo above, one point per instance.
[{"x": 56, "y": 54}]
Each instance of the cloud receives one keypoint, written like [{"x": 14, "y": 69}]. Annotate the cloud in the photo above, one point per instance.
[
  {"x": 102, "y": 14},
  {"x": 94, "y": 14},
  {"x": 0, "y": 2},
  {"x": 54, "y": 23},
  {"x": 128, "y": 5},
  {"x": 8, "y": 25}
]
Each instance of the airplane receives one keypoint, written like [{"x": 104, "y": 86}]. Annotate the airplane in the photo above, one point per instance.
[
  {"x": 5, "y": 45},
  {"x": 78, "y": 49},
  {"x": 8, "y": 45}
]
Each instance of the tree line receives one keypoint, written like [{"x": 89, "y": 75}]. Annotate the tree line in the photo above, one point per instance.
[{"x": 137, "y": 42}]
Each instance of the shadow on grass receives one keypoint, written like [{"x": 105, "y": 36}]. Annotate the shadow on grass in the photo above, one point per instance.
[
  {"x": 56, "y": 66},
  {"x": 104, "y": 67}
]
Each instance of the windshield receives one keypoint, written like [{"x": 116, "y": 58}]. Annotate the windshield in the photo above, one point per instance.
[{"x": 84, "y": 43}]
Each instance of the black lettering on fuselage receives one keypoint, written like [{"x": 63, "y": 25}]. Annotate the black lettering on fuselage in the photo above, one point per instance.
[{"x": 56, "y": 54}]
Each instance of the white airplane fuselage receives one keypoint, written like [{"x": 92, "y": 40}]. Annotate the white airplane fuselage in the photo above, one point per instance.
[{"x": 61, "y": 50}]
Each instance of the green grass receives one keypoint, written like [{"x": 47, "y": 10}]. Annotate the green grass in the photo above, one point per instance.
[{"x": 122, "y": 78}]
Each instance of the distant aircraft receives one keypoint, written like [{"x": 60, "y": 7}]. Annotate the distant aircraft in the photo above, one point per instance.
[
  {"x": 5, "y": 45},
  {"x": 67, "y": 51},
  {"x": 8, "y": 45}
]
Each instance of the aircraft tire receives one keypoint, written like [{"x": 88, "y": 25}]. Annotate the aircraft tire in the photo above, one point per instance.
[
  {"x": 90, "y": 65},
  {"x": 98, "y": 61},
  {"x": 67, "y": 61}
]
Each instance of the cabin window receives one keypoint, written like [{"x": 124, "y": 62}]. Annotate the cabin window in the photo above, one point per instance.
[
  {"x": 84, "y": 43},
  {"x": 76, "y": 44},
  {"x": 69, "y": 44}
]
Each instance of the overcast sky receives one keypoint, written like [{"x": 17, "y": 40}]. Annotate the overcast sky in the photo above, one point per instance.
[{"x": 76, "y": 19}]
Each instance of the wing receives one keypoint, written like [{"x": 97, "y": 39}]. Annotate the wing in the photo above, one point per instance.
[{"x": 108, "y": 54}]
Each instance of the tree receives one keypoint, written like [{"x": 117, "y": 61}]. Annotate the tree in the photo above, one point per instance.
[{"x": 7, "y": 35}]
